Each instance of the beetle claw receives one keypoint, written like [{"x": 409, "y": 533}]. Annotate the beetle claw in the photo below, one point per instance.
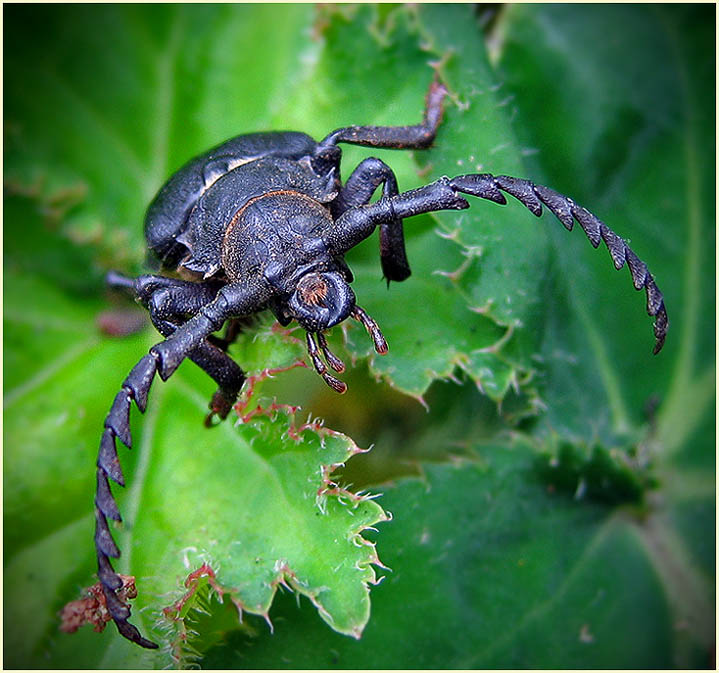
[{"x": 219, "y": 407}]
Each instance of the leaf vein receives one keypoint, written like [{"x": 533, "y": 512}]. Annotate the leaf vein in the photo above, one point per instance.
[{"x": 49, "y": 370}]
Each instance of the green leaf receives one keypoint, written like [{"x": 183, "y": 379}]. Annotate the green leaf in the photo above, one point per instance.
[
  {"x": 483, "y": 576},
  {"x": 590, "y": 542},
  {"x": 648, "y": 161},
  {"x": 259, "y": 508},
  {"x": 643, "y": 158}
]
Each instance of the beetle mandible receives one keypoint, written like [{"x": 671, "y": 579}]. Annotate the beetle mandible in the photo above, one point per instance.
[{"x": 263, "y": 221}]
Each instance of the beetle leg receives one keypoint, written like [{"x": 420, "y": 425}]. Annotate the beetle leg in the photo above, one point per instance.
[
  {"x": 169, "y": 300},
  {"x": 357, "y": 191},
  {"x": 144, "y": 286},
  {"x": 334, "y": 383},
  {"x": 211, "y": 358},
  {"x": 419, "y": 136},
  {"x": 232, "y": 300},
  {"x": 233, "y": 329},
  {"x": 118, "y": 281},
  {"x": 219, "y": 366},
  {"x": 380, "y": 345}
]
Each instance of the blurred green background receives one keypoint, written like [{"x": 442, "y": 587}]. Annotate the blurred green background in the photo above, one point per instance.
[{"x": 551, "y": 483}]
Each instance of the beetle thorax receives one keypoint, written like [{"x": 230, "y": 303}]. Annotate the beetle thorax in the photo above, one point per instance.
[{"x": 273, "y": 236}]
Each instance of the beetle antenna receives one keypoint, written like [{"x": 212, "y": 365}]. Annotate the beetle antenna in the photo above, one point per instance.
[
  {"x": 532, "y": 196},
  {"x": 380, "y": 345},
  {"x": 117, "y": 424}
]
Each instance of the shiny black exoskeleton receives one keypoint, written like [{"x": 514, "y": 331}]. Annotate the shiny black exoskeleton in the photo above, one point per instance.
[{"x": 263, "y": 221}]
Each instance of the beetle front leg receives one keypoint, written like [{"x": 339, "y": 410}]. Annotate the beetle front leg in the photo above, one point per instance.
[
  {"x": 167, "y": 309},
  {"x": 357, "y": 191},
  {"x": 169, "y": 301},
  {"x": 219, "y": 366},
  {"x": 234, "y": 300}
]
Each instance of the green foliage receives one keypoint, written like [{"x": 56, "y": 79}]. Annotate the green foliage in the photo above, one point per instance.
[
  {"x": 613, "y": 476},
  {"x": 555, "y": 510},
  {"x": 484, "y": 575}
]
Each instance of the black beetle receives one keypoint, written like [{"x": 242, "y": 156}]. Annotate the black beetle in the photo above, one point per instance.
[{"x": 264, "y": 221}]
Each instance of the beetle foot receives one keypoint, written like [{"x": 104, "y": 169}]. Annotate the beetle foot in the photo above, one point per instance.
[
  {"x": 380, "y": 345},
  {"x": 220, "y": 406},
  {"x": 334, "y": 362}
]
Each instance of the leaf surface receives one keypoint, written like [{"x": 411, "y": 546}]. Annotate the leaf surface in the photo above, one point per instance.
[
  {"x": 584, "y": 544},
  {"x": 480, "y": 566}
]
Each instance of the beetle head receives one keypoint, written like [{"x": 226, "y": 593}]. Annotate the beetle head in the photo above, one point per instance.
[{"x": 321, "y": 300}]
